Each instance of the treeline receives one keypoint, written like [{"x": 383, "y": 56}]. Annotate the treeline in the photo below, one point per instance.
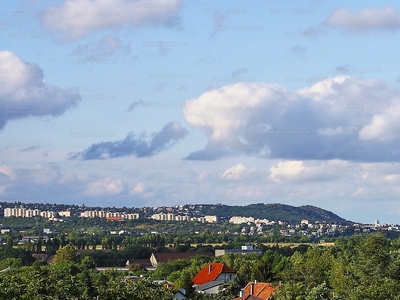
[{"x": 357, "y": 268}]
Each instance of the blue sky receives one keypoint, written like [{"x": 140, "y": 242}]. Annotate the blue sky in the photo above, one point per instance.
[{"x": 167, "y": 102}]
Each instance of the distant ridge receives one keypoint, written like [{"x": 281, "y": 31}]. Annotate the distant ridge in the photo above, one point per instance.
[{"x": 274, "y": 212}]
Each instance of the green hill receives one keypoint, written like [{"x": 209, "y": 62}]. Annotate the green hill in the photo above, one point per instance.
[{"x": 273, "y": 212}]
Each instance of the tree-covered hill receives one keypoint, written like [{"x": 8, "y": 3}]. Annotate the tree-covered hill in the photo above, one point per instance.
[{"x": 273, "y": 212}]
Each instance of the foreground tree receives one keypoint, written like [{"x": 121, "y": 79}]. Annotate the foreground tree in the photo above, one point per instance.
[{"x": 66, "y": 254}]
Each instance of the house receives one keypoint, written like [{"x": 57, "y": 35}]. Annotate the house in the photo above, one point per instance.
[
  {"x": 44, "y": 257},
  {"x": 211, "y": 277},
  {"x": 157, "y": 258},
  {"x": 180, "y": 294},
  {"x": 257, "y": 291},
  {"x": 34, "y": 238},
  {"x": 142, "y": 263},
  {"x": 119, "y": 219},
  {"x": 246, "y": 249}
]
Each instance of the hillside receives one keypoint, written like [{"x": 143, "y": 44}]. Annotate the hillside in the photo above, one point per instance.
[{"x": 274, "y": 212}]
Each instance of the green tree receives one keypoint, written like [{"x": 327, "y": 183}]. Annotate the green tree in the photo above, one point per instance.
[
  {"x": 66, "y": 254},
  {"x": 88, "y": 263}
]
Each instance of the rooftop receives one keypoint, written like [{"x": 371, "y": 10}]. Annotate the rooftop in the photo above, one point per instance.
[{"x": 211, "y": 273}]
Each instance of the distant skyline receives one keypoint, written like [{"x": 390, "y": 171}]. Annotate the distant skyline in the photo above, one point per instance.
[{"x": 168, "y": 102}]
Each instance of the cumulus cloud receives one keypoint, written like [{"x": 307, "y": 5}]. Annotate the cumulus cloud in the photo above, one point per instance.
[
  {"x": 6, "y": 173},
  {"x": 300, "y": 172},
  {"x": 139, "y": 188},
  {"x": 238, "y": 172},
  {"x": 382, "y": 128},
  {"x": 287, "y": 168},
  {"x": 103, "y": 187},
  {"x": 77, "y": 18},
  {"x": 343, "y": 117},
  {"x": 105, "y": 47},
  {"x": 25, "y": 93},
  {"x": 140, "y": 146},
  {"x": 368, "y": 18}
]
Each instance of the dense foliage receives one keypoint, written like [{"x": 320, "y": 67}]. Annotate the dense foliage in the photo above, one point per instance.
[
  {"x": 273, "y": 212},
  {"x": 360, "y": 267}
]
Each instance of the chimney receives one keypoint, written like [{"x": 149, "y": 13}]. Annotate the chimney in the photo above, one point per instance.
[
  {"x": 251, "y": 288},
  {"x": 209, "y": 268},
  {"x": 241, "y": 293}
]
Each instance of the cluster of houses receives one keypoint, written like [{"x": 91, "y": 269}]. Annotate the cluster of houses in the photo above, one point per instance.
[
  {"x": 207, "y": 281},
  {"x": 23, "y": 212},
  {"x": 177, "y": 217},
  {"x": 211, "y": 277},
  {"x": 249, "y": 225},
  {"x": 114, "y": 216}
]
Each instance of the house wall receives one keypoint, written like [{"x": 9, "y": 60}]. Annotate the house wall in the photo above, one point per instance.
[
  {"x": 225, "y": 276},
  {"x": 213, "y": 290},
  {"x": 153, "y": 261}
]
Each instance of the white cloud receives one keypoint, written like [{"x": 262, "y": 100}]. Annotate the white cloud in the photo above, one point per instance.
[
  {"x": 368, "y": 18},
  {"x": 334, "y": 115},
  {"x": 7, "y": 171},
  {"x": 287, "y": 169},
  {"x": 203, "y": 176},
  {"x": 77, "y": 18},
  {"x": 332, "y": 131},
  {"x": 225, "y": 111},
  {"x": 139, "y": 188},
  {"x": 103, "y": 187},
  {"x": 392, "y": 177},
  {"x": 382, "y": 128},
  {"x": 238, "y": 172},
  {"x": 24, "y": 92}
]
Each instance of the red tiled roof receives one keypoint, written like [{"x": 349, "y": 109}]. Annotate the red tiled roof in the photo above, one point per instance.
[
  {"x": 165, "y": 257},
  {"x": 114, "y": 218},
  {"x": 258, "y": 290},
  {"x": 211, "y": 272}
]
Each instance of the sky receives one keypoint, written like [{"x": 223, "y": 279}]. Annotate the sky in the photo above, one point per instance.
[{"x": 168, "y": 102}]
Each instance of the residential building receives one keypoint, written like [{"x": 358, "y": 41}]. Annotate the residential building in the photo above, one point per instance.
[
  {"x": 34, "y": 238},
  {"x": 108, "y": 215},
  {"x": 22, "y": 212},
  {"x": 173, "y": 217},
  {"x": 66, "y": 213},
  {"x": 157, "y": 258},
  {"x": 246, "y": 249},
  {"x": 211, "y": 277},
  {"x": 240, "y": 220},
  {"x": 211, "y": 219},
  {"x": 257, "y": 291}
]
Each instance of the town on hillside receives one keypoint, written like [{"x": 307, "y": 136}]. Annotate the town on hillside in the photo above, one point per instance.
[{"x": 315, "y": 230}]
